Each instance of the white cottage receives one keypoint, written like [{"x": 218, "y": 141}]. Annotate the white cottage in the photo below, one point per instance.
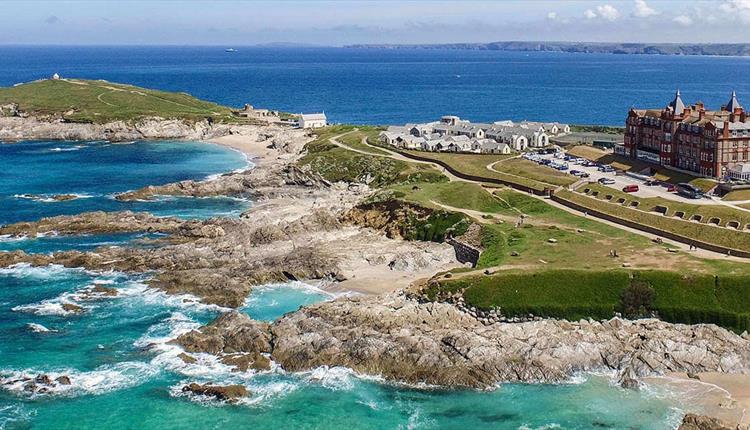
[{"x": 313, "y": 120}]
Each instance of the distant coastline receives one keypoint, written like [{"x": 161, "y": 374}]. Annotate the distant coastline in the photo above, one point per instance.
[{"x": 707, "y": 49}]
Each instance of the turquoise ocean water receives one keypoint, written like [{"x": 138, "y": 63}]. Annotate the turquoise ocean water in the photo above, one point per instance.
[{"x": 125, "y": 375}]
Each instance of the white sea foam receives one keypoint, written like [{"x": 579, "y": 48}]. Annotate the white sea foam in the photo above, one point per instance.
[
  {"x": 155, "y": 296},
  {"x": 38, "y": 328},
  {"x": 50, "y": 307},
  {"x": 26, "y": 270},
  {"x": 50, "y": 198},
  {"x": 549, "y": 426},
  {"x": 11, "y": 238},
  {"x": 67, "y": 148},
  {"x": 103, "y": 379}
]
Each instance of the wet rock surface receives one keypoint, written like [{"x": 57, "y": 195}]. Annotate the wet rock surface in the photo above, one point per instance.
[
  {"x": 700, "y": 422},
  {"x": 236, "y": 338},
  {"x": 95, "y": 223},
  {"x": 434, "y": 343},
  {"x": 228, "y": 393}
]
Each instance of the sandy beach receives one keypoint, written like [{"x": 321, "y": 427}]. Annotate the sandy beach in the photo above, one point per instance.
[
  {"x": 719, "y": 395},
  {"x": 369, "y": 253}
]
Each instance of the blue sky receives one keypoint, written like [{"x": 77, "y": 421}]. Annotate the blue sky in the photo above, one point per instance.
[{"x": 346, "y": 22}]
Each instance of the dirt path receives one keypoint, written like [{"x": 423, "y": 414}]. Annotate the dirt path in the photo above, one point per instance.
[{"x": 702, "y": 253}]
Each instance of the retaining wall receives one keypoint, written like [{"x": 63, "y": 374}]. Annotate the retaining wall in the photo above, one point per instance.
[{"x": 649, "y": 229}]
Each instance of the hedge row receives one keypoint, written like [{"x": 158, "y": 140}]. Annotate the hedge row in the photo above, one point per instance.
[{"x": 575, "y": 294}]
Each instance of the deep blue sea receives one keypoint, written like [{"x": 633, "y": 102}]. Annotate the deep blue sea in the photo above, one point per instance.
[
  {"x": 381, "y": 86},
  {"x": 125, "y": 375}
]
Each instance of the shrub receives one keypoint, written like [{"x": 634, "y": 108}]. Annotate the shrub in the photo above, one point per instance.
[{"x": 637, "y": 299}]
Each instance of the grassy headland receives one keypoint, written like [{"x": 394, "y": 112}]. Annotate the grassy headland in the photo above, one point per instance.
[{"x": 78, "y": 100}]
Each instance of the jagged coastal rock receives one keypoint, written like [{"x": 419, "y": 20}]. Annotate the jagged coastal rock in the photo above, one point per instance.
[
  {"x": 700, "y": 422},
  {"x": 14, "y": 127},
  {"x": 435, "y": 343},
  {"x": 228, "y": 393}
]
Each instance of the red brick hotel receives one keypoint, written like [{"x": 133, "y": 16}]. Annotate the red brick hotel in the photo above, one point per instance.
[{"x": 709, "y": 143}]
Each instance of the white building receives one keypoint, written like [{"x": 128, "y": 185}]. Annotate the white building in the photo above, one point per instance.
[{"x": 313, "y": 120}]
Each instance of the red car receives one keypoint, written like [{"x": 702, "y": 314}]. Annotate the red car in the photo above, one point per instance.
[
  {"x": 671, "y": 188},
  {"x": 630, "y": 188}
]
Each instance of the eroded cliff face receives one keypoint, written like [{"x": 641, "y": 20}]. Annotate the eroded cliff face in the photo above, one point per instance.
[
  {"x": 15, "y": 128},
  {"x": 403, "y": 340}
]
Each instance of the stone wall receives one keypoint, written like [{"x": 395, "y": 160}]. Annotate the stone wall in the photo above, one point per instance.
[{"x": 465, "y": 253}]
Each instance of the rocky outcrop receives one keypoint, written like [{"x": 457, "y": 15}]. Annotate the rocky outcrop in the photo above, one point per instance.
[
  {"x": 403, "y": 340},
  {"x": 9, "y": 110},
  {"x": 238, "y": 340},
  {"x": 227, "y": 393},
  {"x": 16, "y": 126},
  {"x": 700, "y": 422},
  {"x": 241, "y": 184},
  {"x": 102, "y": 222}
]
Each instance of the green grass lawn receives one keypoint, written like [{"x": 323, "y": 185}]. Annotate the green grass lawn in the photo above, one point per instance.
[
  {"x": 573, "y": 294},
  {"x": 703, "y": 232},
  {"x": 476, "y": 165},
  {"x": 737, "y": 195},
  {"x": 354, "y": 139},
  {"x": 531, "y": 170},
  {"x": 339, "y": 164},
  {"x": 462, "y": 195},
  {"x": 725, "y": 214},
  {"x": 101, "y": 101}
]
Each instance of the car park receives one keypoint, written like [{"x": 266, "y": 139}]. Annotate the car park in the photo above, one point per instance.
[
  {"x": 630, "y": 188},
  {"x": 606, "y": 181}
]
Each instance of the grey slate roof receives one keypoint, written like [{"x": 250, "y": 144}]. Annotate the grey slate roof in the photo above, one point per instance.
[
  {"x": 733, "y": 103},
  {"x": 677, "y": 105}
]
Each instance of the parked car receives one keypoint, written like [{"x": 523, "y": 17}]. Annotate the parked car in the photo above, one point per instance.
[
  {"x": 606, "y": 181},
  {"x": 652, "y": 182},
  {"x": 630, "y": 188},
  {"x": 579, "y": 173},
  {"x": 671, "y": 188},
  {"x": 589, "y": 164},
  {"x": 689, "y": 191},
  {"x": 606, "y": 168}
]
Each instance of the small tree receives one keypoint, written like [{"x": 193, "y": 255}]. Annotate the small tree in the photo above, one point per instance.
[{"x": 637, "y": 299}]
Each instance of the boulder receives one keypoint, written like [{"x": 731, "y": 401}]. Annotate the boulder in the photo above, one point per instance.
[
  {"x": 228, "y": 393},
  {"x": 701, "y": 422}
]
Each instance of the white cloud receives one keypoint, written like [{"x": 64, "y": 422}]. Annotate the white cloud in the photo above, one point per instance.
[
  {"x": 739, "y": 9},
  {"x": 683, "y": 20},
  {"x": 643, "y": 10},
  {"x": 589, "y": 14},
  {"x": 552, "y": 16},
  {"x": 608, "y": 12}
]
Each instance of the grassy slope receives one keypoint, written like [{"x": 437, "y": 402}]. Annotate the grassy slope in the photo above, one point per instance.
[
  {"x": 590, "y": 282},
  {"x": 339, "y": 164},
  {"x": 574, "y": 294},
  {"x": 476, "y": 164},
  {"x": 101, "y": 101},
  {"x": 699, "y": 231}
]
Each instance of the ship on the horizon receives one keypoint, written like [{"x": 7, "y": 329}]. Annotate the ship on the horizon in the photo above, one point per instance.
[{"x": 230, "y": 50}]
